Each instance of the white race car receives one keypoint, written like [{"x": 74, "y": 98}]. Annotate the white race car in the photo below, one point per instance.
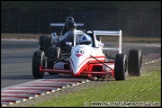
[{"x": 84, "y": 59}]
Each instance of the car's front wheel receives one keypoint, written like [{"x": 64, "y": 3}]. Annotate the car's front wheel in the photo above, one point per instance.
[{"x": 120, "y": 66}]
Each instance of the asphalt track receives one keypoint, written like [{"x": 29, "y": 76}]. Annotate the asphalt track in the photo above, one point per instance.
[{"x": 16, "y": 59}]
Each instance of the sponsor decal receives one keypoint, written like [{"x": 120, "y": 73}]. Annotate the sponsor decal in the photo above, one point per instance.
[{"x": 79, "y": 53}]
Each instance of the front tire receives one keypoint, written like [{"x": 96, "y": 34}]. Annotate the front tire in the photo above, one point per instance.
[
  {"x": 134, "y": 62},
  {"x": 36, "y": 63},
  {"x": 120, "y": 67}
]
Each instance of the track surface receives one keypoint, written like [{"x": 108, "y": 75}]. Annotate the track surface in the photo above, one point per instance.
[{"x": 16, "y": 68}]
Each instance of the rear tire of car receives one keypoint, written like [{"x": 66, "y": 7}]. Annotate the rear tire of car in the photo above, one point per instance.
[
  {"x": 47, "y": 43},
  {"x": 120, "y": 67},
  {"x": 52, "y": 53},
  {"x": 41, "y": 42},
  {"x": 134, "y": 62},
  {"x": 36, "y": 63}
]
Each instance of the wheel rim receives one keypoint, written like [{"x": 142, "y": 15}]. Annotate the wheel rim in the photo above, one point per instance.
[
  {"x": 125, "y": 66},
  {"x": 43, "y": 63}
]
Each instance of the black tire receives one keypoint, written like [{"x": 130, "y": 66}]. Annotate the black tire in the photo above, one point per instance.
[
  {"x": 53, "y": 53},
  {"x": 41, "y": 42},
  {"x": 43, "y": 60},
  {"x": 49, "y": 64},
  {"x": 36, "y": 63},
  {"x": 134, "y": 62},
  {"x": 47, "y": 43},
  {"x": 120, "y": 67}
]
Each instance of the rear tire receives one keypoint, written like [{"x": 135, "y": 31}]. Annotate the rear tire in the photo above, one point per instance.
[
  {"x": 120, "y": 67},
  {"x": 134, "y": 62},
  {"x": 52, "y": 53},
  {"x": 41, "y": 42},
  {"x": 36, "y": 63},
  {"x": 47, "y": 63},
  {"x": 47, "y": 43}
]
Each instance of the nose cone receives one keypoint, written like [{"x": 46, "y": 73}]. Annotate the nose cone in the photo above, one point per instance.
[
  {"x": 77, "y": 62},
  {"x": 79, "y": 58}
]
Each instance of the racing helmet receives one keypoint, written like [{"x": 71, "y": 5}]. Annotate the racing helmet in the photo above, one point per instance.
[
  {"x": 69, "y": 19},
  {"x": 86, "y": 38},
  {"x": 70, "y": 23}
]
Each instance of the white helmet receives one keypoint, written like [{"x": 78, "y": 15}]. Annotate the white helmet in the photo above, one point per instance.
[{"x": 86, "y": 38}]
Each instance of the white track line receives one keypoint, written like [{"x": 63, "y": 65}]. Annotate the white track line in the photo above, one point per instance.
[{"x": 152, "y": 61}]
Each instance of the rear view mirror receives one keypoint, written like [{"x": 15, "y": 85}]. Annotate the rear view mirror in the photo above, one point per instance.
[{"x": 69, "y": 43}]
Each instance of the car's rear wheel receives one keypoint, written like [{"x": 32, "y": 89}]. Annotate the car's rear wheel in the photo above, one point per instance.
[
  {"x": 47, "y": 43},
  {"x": 36, "y": 63},
  {"x": 120, "y": 66},
  {"x": 134, "y": 62},
  {"x": 52, "y": 53},
  {"x": 47, "y": 63},
  {"x": 41, "y": 42}
]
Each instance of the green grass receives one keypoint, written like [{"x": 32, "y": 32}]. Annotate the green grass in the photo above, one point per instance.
[{"x": 146, "y": 89}]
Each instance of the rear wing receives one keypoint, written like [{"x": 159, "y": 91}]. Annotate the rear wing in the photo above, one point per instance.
[
  {"x": 62, "y": 24},
  {"x": 110, "y": 34}
]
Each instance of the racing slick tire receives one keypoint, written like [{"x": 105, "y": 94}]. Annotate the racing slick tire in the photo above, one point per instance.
[
  {"x": 134, "y": 62},
  {"x": 41, "y": 42},
  {"x": 47, "y": 43},
  {"x": 36, "y": 63},
  {"x": 52, "y": 53},
  {"x": 120, "y": 66},
  {"x": 48, "y": 62}
]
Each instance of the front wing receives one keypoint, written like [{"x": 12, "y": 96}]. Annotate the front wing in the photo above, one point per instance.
[{"x": 89, "y": 72}]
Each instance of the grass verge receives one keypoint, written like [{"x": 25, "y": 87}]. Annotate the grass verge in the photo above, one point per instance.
[{"x": 134, "y": 91}]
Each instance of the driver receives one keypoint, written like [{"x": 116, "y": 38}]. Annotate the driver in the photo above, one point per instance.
[
  {"x": 69, "y": 25},
  {"x": 68, "y": 32}
]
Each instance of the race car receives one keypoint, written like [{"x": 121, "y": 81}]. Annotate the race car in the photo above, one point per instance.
[{"x": 83, "y": 59}]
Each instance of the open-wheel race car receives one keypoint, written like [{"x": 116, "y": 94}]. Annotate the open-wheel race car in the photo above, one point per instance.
[{"x": 78, "y": 58}]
